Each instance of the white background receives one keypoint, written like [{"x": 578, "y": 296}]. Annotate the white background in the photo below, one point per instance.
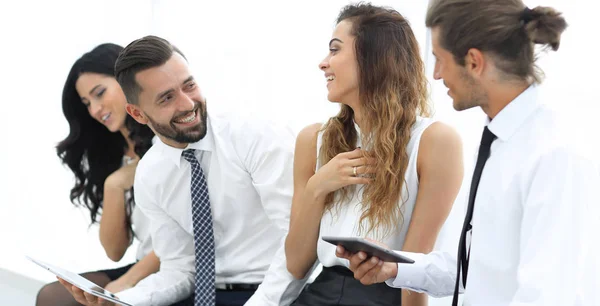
[{"x": 258, "y": 57}]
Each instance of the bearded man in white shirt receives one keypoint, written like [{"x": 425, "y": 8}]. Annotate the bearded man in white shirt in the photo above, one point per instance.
[
  {"x": 217, "y": 191},
  {"x": 529, "y": 236}
]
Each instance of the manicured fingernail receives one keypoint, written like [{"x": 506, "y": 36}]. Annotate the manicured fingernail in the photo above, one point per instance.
[{"x": 362, "y": 255}]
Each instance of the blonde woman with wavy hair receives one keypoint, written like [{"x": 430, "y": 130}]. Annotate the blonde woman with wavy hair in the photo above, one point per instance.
[{"x": 379, "y": 169}]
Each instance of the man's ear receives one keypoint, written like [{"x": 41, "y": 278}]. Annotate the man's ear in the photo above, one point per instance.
[
  {"x": 137, "y": 114},
  {"x": 475, "y": 62}
]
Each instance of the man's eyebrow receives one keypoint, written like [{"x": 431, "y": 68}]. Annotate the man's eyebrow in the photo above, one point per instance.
[{"x": 163, "y": 94}]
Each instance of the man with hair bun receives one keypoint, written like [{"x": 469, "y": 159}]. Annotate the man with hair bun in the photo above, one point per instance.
[{"x": 533, "y": 202}]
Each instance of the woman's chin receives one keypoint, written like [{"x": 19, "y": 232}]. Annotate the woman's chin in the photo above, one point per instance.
[
  {"x": 333, "y": 98},
  {"x": 113, "y": 128}
]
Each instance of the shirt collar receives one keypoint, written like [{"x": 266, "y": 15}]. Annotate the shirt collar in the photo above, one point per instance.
[
  {"x": 513, "y": 115},
  {"x": 174, "y": 154}
]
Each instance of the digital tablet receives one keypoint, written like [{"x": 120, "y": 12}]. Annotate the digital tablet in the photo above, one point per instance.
[
  {"x": 80, "y": 282},
  {"x": 355, "y": 245}
]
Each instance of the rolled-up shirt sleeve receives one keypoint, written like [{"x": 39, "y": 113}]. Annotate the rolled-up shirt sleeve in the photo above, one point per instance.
[
  {"x": 269, "y": 159},
  {"x": 433, "y": 274}
]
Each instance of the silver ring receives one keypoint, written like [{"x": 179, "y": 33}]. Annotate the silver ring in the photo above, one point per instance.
[{"x": 354, "y": 171}]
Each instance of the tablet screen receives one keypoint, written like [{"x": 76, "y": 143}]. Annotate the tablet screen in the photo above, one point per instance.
[{"x": 80, "y": 282}]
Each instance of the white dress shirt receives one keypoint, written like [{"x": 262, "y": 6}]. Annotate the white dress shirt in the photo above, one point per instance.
[
  {"x": 248, "y": 167},
  {"x": 141, "y": 228},
  {"x": 535, "y": 223},
  {"x": 139, "y": 223}
]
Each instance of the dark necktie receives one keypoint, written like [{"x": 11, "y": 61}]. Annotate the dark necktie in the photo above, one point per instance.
[
  {"x": 463, "y": 258},
  {"x": 204, "y": 242}
]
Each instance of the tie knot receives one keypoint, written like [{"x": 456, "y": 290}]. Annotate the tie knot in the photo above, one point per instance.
[
  {"x": 487, "y": 138},
  {"x": 190, "y": 156}
]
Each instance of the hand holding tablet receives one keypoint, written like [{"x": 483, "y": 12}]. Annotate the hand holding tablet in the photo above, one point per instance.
[
  {"x": 93, "y": 291},
  {"x": 370, "y": 263},
  {"x": 355, "y": 245}
]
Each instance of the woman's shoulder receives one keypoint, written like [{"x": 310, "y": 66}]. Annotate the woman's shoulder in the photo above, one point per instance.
[
  {"x": 309, "y": 134},
  {"x": 438, "y": 132},
  {"x": 439, "y": 137},
  {"x": 306, "y": 146}
]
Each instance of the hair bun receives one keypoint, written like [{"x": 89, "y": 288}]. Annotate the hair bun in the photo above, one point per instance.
[{"x": 544, "y": 25}]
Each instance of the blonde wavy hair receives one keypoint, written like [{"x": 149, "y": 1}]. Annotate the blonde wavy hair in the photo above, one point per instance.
[{"x": 393, "y": 90}]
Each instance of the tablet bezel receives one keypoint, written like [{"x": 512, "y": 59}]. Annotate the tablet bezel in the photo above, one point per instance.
[{"x": 79, "y": 282}]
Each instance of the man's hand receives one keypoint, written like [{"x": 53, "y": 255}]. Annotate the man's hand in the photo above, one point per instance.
[
  {"x": 368, "y": 270},
  {"x": 84, "y": 298}
]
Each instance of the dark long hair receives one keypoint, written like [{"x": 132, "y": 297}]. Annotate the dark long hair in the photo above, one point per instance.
[{"x": 90, "y": 150}]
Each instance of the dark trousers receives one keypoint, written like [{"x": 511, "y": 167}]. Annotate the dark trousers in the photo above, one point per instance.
[
  {"x": 337, "y": 286},
  {"x": 233, "y": 298},
  {"x": 224, "y": 298}
]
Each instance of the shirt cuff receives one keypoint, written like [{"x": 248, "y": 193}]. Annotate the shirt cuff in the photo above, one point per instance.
[
  {"x": 134, "y": 296},
  {"x": 410, "y": 276}
]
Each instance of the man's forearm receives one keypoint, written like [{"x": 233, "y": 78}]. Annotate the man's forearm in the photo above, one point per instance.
[{"x": 433, "y": 273}]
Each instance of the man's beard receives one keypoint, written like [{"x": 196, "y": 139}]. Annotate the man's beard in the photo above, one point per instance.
[
  {"x": 477, "y": 97},
  {"x": 189, "y": 135}
]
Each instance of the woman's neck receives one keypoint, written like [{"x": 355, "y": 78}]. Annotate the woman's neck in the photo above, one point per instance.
[
  {"x": 130, "y": 144},
  {"x": 357, "y": 114},
  {"x": 358, "y": 119}
]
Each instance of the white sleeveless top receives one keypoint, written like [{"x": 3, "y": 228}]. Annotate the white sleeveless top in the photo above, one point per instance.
[{"x": 343, "y": 220}]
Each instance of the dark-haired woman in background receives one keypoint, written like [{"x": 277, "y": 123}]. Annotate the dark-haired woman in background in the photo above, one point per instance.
[{"x": 102, "y": 150}]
